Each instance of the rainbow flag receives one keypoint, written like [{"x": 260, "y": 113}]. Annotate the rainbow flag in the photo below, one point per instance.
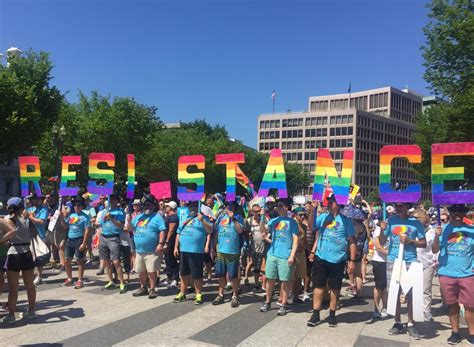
[{"x": 245, "y": 182}]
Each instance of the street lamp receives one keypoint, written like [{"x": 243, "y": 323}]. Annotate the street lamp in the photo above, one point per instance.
[
  {"x": 58, "y": 138},
  {"x": 13, "y": 52}
]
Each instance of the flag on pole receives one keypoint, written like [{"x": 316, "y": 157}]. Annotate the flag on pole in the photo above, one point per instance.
[
  {"x": 53, "y": 179},
  {"x": 245, "y": 182},
  {"x": 350, "y": 86},
  {"x": 273, "y": 95}
]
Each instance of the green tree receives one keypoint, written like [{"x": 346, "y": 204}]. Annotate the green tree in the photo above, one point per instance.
[
  {"x": 29, "y": 105},
  {"x": 449, "y": 55},
  {"x": 297, "y": 178}
]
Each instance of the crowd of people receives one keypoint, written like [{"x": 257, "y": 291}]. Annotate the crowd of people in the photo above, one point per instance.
[{"x": 290, "y": 253}]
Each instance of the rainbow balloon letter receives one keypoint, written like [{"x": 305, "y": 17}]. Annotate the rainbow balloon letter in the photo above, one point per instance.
[
  {"x": 184, "y": 177},
  {"x": 101, "y": 174},
  {"x": 30, "y": 176},
  {"x": 325, "y": 169},
  {"x": 387, "y": 154},
  {"x": 131, "y": 176},
  {"x": 274, "y": 176},
  {"x": 67, "y": 175},
  {"x": 230, "y": 161},
  {"x": 440, "y": 173}
]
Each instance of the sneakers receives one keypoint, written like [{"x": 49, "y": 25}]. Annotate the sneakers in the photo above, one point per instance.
[
  {"x": 123, "y": 288},
  {"x": 28, "y": 315},
  {"x": 297, "y": 301},
  {"x": 218, "y": 300},
  {"x": 234, "y": 302},
  {"x": 428, "y": 317},
  {"x": 228, "y": 286},
  {"x": 79, "y": 284},
  {"x": 376, "y": 315},
  {"x": 332, "y": 321},
  {"x": 414, "y": 334},
  {"x": 180, "y": 297},
  {"x": 266, "y": 306},
  {"x": 198, "y": 299},
  {"x": 163, "y": 283},
  {"x": 38, "y": 280},
  {"x": 109, "y": 286},
  {"x": 172, "y": 285},
  {"x": 306, "y": 297},
  {"x": 282, "y": 311},
  {"x": 314, "y": 320},
  {"x": 454, "y": 339},
  {"x": 67, "y": 282},
  {"x": 142, "y": 291},
  {"x": 9, "y": 319},
  {"x": 397, "y": 329},
  {"x": 100, "y": 272},
  {"x": 246, "y": 282},
  {"x": 470, "y": 340},
  {"x": 384, "y": 313},
  {"x": 153, "y": 294}
]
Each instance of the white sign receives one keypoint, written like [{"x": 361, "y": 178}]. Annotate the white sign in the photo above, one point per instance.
[{"x": 55, "y": 217}]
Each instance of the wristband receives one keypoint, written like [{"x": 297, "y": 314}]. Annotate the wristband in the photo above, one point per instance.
[
  {"x": 311, "y": 252},
  {"x": 353, "y": 260}
]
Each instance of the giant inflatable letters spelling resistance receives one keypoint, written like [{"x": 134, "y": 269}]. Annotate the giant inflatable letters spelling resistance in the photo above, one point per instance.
[{"x": 274, "y": 177}]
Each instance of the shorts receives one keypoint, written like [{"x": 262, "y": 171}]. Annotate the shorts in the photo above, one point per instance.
[
  {"x": 257, "y": 260},
  {"x": 457, "y": 290},
  {"x": 109, "y": 248},
  {"x": 57, "y": 236},
  {"x": 147, "y": 262},
  {"x": 3, "y": 261},
  {"x": 389, "y": 265},
  {"x": 132, "y": 245},
  {"x": 278, "y": 269},
  {"x": 207, "y": 258},
  {"x": 300, "y": 265},
  {"x": 325, "y": 273},
  {"x": 309, "y": 264},
  {"x": 191, "y": 264},
  {"x": 379, "y": 269},
  {"x": 20, "y": 262},
  {"x": 227, "y": 264},
  {"x": 72, "y": 249}
]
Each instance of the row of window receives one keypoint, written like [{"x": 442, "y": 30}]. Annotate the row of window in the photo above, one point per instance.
[
  {"x": 315, "y": 144},
  {"x": 340, "y": 143},
  {"x": 378, "y": 100},
  {"x": 341, "y": 131},
  {"x": 292, "y": 145},
  {"x": 313, "y": 121},
  {"x": 316, "y": 132},
  {"x": 269, "y": 124},
  {"x": 267, "y": 146},
  {"x": 293, "y": 156},
  {"x": 292, "y": 122},
  {"x": 343, "y": 119},
  {"x": 269, "y": 135},
  {"x": 319, "y": 105},
  {"x": 407, "y": 118},
  {"x": 404, "y": 104},
  {"x": 292, "y": 133}
]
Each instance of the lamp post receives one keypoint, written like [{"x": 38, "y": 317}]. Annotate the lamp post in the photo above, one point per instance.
[
  {"x": 58, "y": 138},
  {"x": 13, "y": 52}
]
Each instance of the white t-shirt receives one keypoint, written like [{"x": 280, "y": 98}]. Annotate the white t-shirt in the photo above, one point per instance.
[
  {"x": 377, "y": 255},
  {"x": 425, "y": 255}
]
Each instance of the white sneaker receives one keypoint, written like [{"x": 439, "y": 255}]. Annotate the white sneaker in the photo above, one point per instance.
[
  {"x": 306, "y": 297},
  {"x": 28, "y": 315},
  {"x": 163, "y": 283},
  {"x": 38, "y": 280},
  {"x": 173, "y": 284},
  {"x": 384, "y": 313},
  {"x": 9, "y": 319}
]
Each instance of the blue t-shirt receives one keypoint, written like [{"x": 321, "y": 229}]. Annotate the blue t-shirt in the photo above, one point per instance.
[
  {"x": 108, "y": 227},
  {"x": 40, "y": 212},
  {"x": 456, "y": 251},
  {"x": 282, "y": 230},
  {"x": 228, "y": 241},
  {"x": 192, "y": 236},
  {"x": 333, "y": 234},
  {"x": 183, "y": 213},
  {"x": 147, "y": 231},
  {"x": 77, "y": 224},
  {"x": 398, "y": 226}
]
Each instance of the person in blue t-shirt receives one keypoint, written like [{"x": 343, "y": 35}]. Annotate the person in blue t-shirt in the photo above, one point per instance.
[
  {"x": 77, "y": 224},
  {"x": 409, "y": 231},
  {"x": 230, "y": 227},
  {"x": 283, "y": 241},
  {"x": 334, "y": 232},
  {"x": 149, "y": 236},
  {"x": 38, "y": 214},
  {"x": 112, "y": 223},
  {"x": 189, "y": 247},
  {"x": 455, "y": 242}
]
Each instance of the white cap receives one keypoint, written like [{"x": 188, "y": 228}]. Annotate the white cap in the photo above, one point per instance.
[
  {"x": 172, "y": 205},
  {"x": 390, "y": 209}
]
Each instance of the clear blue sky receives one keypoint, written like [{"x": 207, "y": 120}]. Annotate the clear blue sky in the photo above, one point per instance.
[{"x": 221, "y": 60}]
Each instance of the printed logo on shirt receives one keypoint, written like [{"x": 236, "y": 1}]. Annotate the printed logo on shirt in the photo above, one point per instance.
[
  {"x": 456, "y": 237},
  {"x": 458, "y": 244},
  {"x": 143, "y": 222},
  {"x": 400, "y": 229},
  {"x": 282, "y": 225},
  {"x": 73, "y": 220},
  {"x": 225, "y": 222},
  {"x": 333, "y": 225}
]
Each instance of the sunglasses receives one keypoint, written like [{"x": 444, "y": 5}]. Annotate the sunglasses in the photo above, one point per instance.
[
  {"x": 301, "y": 215},
  {"x": 281, "y": 205},
  {"x": 444, "y": 220}
]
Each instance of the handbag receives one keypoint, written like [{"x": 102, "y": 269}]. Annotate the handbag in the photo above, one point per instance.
[{"x": 40, "y": 251}]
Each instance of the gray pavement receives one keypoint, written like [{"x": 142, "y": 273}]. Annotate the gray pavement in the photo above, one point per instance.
[{"x": 91, "y": 317}]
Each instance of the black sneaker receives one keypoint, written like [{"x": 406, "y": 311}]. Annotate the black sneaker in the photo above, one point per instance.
[
  {"x": 454, "y": 339},
  {"x": 332, "y": 321},
  {"x": 414, "y": 334},
  {"x": 153, "y": 294},
  {"x": 297, "y": 301},
  {"x": 218, "y": 300},
  {"x": 470, "y": 340},
  {"x": 314, "y": 320},
  {"x": 141, "y": 292},
  {"x": 397, "y": 329}
]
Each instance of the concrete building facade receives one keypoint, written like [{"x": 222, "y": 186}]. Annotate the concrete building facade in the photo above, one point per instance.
[{"x": 363, "y": 121}]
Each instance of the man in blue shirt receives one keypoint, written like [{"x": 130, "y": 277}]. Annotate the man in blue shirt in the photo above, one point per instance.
[
  {"x": 78, "y": 229},
  {"x": 112, "y": 223},
  {"x": 455, "y": 242},
  {"x": 334, "y": 232},
  {"x": 149, "y": 236},
  {"x": 189, "y": 246},
  {"x": 229, "y": 229},
  {"x": 281, "y": 253},
  {"x": 402, "y": 229},
  {"x": 38, "y": 214}
]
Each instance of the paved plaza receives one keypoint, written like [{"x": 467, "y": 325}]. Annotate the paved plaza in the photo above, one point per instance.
[{"x": 92, "y": 317}]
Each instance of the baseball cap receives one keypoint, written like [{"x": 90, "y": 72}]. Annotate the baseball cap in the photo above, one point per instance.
[
  {"x": 15, "y": 203},
  {"x": 390, "y": 209},
  {"x": 136, "y": 202},
  {"x": 172, "y": 205}
]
